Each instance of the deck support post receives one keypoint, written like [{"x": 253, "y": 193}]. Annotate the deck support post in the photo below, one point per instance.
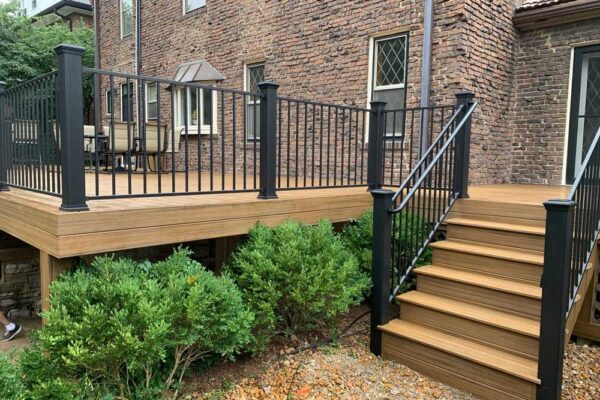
[
  {"x": 555, "y": 297},
  {"x": 376, "y": 145},
  {"x": 4, "y": 142},
  {"x": 268, "y": 140},
  {"x": 70, "y": 110},
  {"x": 463, "y": 146},
  {"x": 380, "y": 272},
  {"x": 50, "y": 269}
]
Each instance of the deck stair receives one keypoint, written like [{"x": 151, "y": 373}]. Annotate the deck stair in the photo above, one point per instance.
[{"x": 473, "y": 320}]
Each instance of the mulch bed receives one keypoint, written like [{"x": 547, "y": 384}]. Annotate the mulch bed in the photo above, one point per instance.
[{"x": 347, "y": 370}]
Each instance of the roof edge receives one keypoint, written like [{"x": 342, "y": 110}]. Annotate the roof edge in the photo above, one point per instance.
[{"x": 556, "y": 14}]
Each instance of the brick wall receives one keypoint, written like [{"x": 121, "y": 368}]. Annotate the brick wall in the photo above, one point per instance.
[
  {"x": 543, "y": 62},
  {"x": 319, "y": 50}
]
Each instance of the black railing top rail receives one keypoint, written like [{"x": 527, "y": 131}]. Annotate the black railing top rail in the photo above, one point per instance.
[
  {"x": 433, "y": 107},
  {"x": 418, "y": 168},
  {"x": 317, "y": 103},
  {"x": 28, "y": 83},
  {"x": 164, "y": 81},
  {"x": 584, "y": 165}
]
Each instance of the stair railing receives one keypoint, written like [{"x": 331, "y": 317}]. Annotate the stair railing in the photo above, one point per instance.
[
  {"x": 406, "y": 220},
  {"x": 572, "y": 228}
]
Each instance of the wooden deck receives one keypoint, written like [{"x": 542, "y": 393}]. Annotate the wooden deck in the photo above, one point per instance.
[{"x": 125, "y": 223}]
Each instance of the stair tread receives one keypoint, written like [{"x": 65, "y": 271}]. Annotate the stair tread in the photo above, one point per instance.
[
  {"x": 488, "y": 316},
  {"x": 482, "y": 280},
  {"x": 502, "y": 253},
  {"x": 502, "y": 226},
  {"x": 520, "y": 367}
]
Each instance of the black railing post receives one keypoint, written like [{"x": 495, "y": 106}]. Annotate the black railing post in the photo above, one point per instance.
[
  {"x": 463, "y": 147},
  {"x": 555, "y": 296},
  {"x": 376, "y": 145},
  {"x": 380, "y": 272},
  {"x": 268, "y": 139},
  {"x": 70, "y": 111},
  {"x": 4, "y": 149}
]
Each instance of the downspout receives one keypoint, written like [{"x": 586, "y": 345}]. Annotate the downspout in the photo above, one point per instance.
[
  {"x": 97, "y": 60},
  {"x": 138, "y": 61},
  {"x": 426, "y": 74}
]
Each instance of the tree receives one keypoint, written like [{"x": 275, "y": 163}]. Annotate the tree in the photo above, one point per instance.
[{"x": 27, "y": 51}]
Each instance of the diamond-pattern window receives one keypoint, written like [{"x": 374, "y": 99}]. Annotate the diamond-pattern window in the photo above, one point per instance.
[
  {"x": 592, "y": 104},
  {"x": 391, "y": 61},
  {"x": 255, "y": 75}
]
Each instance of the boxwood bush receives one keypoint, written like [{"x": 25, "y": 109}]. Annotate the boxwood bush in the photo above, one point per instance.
[
  {"x": 119, "y": 328},
  {"x": 295, "y": 277}
]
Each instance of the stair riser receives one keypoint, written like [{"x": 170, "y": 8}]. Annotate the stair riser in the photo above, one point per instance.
[
  {"x": 523, "y": 214},
  {"x": 466, "y": 375},
  {"x": 479, "y": 295},
  {"x": 489, "y": 265},
  {"x": 502, "y": 339},
  {"x": 495, "y": 237}
]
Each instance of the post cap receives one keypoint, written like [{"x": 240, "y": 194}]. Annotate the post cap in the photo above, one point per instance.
[
  {"x": 559, "y": 204},
  {"x": 466, "y": 94},
  {"x": 382, "y": 193},
  {"x": 268, "y": 85},
  {"x": 378, "y": 104},
  {"x": 65, "y": 48}
]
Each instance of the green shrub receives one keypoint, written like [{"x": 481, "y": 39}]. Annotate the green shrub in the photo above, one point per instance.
[
  {"x": 11, "y": 386},
  {"x": 295, "y": 277},
  {"x": 358, "y": 237},
  {"x": 134, "y": 329}
]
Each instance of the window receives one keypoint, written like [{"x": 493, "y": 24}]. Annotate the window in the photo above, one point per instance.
[
  {"x": 191, "y": 5},
  {"x": 109, "y": 102},
  {"x": 255, "y": 73},
  {"x": 389, "y": 79},
  {"x": 33, "y": 4},
  {"x": 151, "y": 101},
  {"x": 127, "y": 102},
  {"x": 197, "y": 108},
  {"x": 126, "y": 18}
]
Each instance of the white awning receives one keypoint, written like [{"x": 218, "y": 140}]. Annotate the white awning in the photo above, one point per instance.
[{"x": 197, "y": 71}]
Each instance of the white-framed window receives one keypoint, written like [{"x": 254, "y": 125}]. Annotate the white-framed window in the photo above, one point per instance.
[
  {"x": 197, "y": 108},
  {"x": 126, "y": 18},
  {"x": 33, "y": 4},
  {"x": 127, "y": 94},
  {"x": 388, "y": 78},
  {"x": 191, "y": 5},
  {"x": 253, "y": 75},
  {"x": 151, "y": 101}
]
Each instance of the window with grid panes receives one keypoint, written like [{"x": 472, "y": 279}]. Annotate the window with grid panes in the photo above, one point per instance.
[{"x": 255, "y": 74}]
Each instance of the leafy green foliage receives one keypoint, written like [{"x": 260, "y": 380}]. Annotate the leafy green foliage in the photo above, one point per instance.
[
  {"x": 358, "y": 236},
  {"x": 295, "y": 277},
  {"x": 133, "y": 330},
  {"x": 27, "y": 50}
]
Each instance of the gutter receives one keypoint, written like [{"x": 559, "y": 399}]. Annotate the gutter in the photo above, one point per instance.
[{"x": 64, "y": 3}]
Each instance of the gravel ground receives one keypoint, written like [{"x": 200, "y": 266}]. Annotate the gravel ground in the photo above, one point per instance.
[{"x": 348, "y": 371}]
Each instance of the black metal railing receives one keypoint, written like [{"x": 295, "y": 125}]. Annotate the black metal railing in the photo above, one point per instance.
[
  {"x": 29, "y": 139},
  {"x": 405, "y": 221},
  {"x": 572, "y": 228},
  {"x": 320, "y": 145},
  {"x": 157, "y": 137},
  {"x": 409, "y": 133}
]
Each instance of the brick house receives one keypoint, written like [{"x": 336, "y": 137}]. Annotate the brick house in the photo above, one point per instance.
[{"x": 516, "y": 56}]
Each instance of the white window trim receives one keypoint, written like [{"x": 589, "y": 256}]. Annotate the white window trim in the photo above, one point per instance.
[
  {"x": 147, "y": 103},
  {"x": 254, "y": 102},
  {"x": 375, "y": 87},
  {"x": 205, "y": 130},
  {"x": 121, "y": 18},
  {"x": 193, "y": 9},
  {"x": 371, "y": 86}
]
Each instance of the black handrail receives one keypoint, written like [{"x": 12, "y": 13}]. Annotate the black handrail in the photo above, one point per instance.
[
  {"x": 572, "y": 228},
  {"x": 405, "y": 220}
]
